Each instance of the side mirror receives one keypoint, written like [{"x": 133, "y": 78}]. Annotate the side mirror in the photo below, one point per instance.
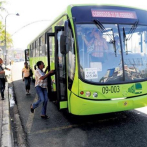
[
  {"x": 64, "y": 39},
  {"x": 63, "y": 44}
]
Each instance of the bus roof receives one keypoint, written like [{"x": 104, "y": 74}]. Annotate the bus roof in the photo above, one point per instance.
[{"x": 69, "y": 9}]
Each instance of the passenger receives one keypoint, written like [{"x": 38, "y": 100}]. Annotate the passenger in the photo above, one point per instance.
[
  {"x": 2, "y": 78},
  {"x": 26, "y": 75},
  {"x": 99, "y": 46},
  {"x": 41, "y": 85},
  {"x": 89, "y": 39}
]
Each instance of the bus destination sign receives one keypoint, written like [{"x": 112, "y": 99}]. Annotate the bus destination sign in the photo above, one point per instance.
[{"x": 113, "y": 14}]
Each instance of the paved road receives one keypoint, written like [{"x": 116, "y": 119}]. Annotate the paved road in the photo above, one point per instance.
[{"x": 122, "y": 129}]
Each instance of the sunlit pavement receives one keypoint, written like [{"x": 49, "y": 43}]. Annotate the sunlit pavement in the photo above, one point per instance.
[
  {"x": 122, "y": 129},
  {"x": 142, "y": 110},
  {"x": 6, "y": 139}
]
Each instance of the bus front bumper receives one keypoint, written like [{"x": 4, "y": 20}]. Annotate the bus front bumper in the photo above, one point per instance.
[{"x": 80, "y": 106}]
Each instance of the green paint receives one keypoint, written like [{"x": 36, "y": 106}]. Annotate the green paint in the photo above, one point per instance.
[
  {"x": 107, "y": 99},
  {"x": 63, "y": 104}
]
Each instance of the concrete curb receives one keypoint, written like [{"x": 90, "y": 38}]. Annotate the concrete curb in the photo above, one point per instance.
[
  {"x": 21, "y": 135},
  {"x": 6, "y": 140}
]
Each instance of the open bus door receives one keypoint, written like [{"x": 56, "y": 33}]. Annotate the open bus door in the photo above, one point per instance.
[{"x": 59, "y": 92}]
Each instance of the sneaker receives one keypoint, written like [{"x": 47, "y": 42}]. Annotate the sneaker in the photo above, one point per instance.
[
  {"x": 31, "y": 109},
  {"x": 44, "y": 117},
  {"x": 2, "y": 98},
  {"x": 26, "y": 93},
  {"x": 29, "y": 93}
]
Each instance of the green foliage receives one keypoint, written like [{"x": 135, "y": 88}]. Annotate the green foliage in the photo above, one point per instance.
[{"x": 2, "y": 30}]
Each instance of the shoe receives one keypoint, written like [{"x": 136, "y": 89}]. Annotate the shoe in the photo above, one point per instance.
[
  {"x": 2, "y": 98},
  {"x": 44, "y": 117},
  {"x": 26, "y": 93},
  {"x": 29, "y": 93},
  {"x": 31, "y": 109}
]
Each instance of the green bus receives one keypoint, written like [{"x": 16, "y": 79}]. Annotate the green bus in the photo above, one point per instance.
[{"x": 98, "y": 52}]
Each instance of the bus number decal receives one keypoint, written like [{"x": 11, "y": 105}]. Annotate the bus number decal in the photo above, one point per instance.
[{"x": 112, "y": 89}]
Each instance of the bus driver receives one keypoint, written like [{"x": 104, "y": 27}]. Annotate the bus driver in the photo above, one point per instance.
[{"x": 99, "y": 44}]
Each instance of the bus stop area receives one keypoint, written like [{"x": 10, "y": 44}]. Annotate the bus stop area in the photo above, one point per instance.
[{"x": 127, "y": 128}]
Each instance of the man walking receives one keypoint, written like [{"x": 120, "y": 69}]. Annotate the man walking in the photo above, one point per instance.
[{"x": 2, "y": 78}]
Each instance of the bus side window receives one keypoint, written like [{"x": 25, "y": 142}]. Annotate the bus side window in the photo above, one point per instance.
[{"x": 43, "y": 45}]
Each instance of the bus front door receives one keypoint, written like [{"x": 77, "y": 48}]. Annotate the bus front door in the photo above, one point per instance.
[
  {"x": 60, "y": 66},
  {"x": 57, "y": 88}
]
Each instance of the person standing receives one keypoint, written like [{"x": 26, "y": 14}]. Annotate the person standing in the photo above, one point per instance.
[
  {"x": 2, "y": 78},
  {"x": 26, "y": 77},
  {"x": 41, "y": 88}
]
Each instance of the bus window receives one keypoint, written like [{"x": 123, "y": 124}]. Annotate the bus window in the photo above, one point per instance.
[
  {"x": 34, "y": 52},
  {"x": 99, "y": 53},
  {"x": 37, "y": 48},
  {"x": 43, "y": 46},
  {"x": 40, "y": 50},
  {"x": 134, "y": 51},
  {"x": 31, "y": 51}
]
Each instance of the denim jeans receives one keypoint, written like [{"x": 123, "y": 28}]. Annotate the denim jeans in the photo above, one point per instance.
[
  {"x": 27, "y": 82},
  {"x": 2, "y": 87},
  {"x": 42, "y": 98}
]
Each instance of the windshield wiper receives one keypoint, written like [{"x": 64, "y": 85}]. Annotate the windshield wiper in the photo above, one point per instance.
[
  {"x": 131, "y": 31},
  {"x": 103, "y": 30},
  {"x": 125, "y": 40}
]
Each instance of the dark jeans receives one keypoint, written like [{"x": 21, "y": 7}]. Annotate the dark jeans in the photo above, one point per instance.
[
  {"x": 42, "y": 98},
  {"x": 27, "y": 82},
  {"x": 2, "y": 86}
]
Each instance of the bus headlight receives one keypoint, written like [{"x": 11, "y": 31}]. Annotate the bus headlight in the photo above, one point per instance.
[
  {"x": 88, "y": 93},
  {"x": 95, "y": 94}
]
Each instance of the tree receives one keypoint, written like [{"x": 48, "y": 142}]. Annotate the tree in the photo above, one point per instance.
[{"x": 2, "y": 30}]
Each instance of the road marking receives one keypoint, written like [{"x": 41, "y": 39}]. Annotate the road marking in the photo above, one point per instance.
[
  {"x": 30, "y": 118},
  {"x": 73, "y": 126}
]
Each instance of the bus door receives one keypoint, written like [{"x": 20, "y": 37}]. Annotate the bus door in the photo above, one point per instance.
[
  {"x": 60, "y": 66},
  {"x": 52, "y": 93},
  {"x": 60, "y": 95}
]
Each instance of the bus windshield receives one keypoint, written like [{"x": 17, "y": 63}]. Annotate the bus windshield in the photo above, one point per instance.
[{"x": 110, "y": 56}]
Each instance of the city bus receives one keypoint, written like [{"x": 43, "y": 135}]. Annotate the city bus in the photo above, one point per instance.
[{"x": 99, "y": 52}]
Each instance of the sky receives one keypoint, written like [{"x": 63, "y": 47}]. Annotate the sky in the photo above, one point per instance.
[{"x": 36, "y": 15}]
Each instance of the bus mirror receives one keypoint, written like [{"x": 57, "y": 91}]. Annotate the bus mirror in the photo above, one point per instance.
[
  {"x": 63, "y": 44},
  {"x": 66, "y": 28},
  {"x": 27, "y": 55},
  {"x": 66, "y": 32},
  {"x": 64, "y": 41}
]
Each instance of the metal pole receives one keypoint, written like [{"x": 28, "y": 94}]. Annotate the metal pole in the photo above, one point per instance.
[
  {"x": 4, "y": 54},
  {"x": 5, "y": 49}
]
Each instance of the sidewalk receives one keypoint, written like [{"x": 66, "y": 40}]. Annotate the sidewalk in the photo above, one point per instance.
[{"x": 5, "y": 125}]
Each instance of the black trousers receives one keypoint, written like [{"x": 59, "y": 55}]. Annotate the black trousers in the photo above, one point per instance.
[
  {"x": 2, "y": 87},
  {"x": 27, "y": 82}
]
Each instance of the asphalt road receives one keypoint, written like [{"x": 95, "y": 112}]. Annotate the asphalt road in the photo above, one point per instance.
[{"x": 121, "y": 129}]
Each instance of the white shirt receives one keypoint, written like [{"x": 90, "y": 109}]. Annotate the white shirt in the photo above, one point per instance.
[{"x": 38, "y": 82}]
